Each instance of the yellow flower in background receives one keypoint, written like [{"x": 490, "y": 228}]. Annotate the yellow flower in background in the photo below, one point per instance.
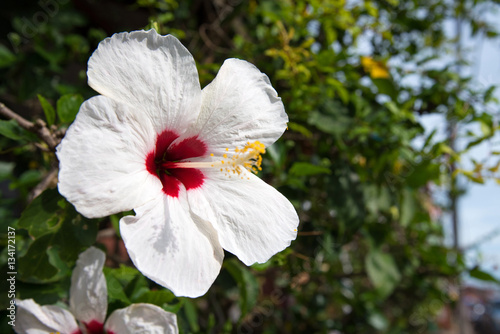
[{"x": 376, "y": 69}]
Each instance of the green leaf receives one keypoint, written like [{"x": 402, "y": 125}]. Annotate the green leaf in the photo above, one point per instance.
[
  {"x": 277, "y": 153},
  {"x": 68, "y": 106},
  {"x": 377, "y": 198},
  {"x": 486, "y": 129},
  {"x": 6, "y": 169},
  {"x": 482, "y": 275},
  {"x": 48, "y": 109},
  {"x": 307, "y": 169},
  {"x": 158, "y": 298},
  {"x": 262, "y": 266},
  {"x": 386, "y": 86},
  {"x": 428, "y": 140},
  {"x": 339, "y": 88},
  {"x": 35, "y": 265},
  {"x": 191, "y": 315},
  {"x": 420, "y": 174},
  {"x": 300, "y": 129},
  {"x": 328, "y": 124},
  {"x": 125, "y": 274},
  {"x": 44, "y": 293},
  {"x": 76, "y": 233},
  {"x": 247, "y": 284},
  {"x": 115, "y": 287},
  {"x": 7, "y": 58},
  {"x": 174, "y": 307},
  {"x": 137, "y": 287},
  {"x": 474, "y": 177},
  {"x": 488, "y": 94},
  {"x": 382, "y": 271},
  {"x": 475, "y": 142},
  {"x": 42, "y": 215},
  {"x": 115, "y": 222},
  {"x": 27, "y": 179},
  {"x": 408, "y": 207},
  {"x": 127, "y": 284},
  {"x": 60, "y": 234},
  {"x": 11, "y": 129}
]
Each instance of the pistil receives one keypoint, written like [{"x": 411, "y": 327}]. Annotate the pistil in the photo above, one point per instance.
[{"x": 248, "y": 158}]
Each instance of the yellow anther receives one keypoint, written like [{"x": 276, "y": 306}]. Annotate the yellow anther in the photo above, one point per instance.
[
  {"x": 211, "y": 154},
  {"x": 225, "y": 156},
  {"x": 249, "y": 157},
  {"x": 227, "y": 149}
]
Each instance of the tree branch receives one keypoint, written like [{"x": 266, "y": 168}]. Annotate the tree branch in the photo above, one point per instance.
[
  {"x": 39, "y": 127},
  {"x": 46, "y": 182},
  {"x": 5, "y": 111}
]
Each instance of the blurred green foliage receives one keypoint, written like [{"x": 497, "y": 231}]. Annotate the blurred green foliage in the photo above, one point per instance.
[{"x": 355, "y": 77}]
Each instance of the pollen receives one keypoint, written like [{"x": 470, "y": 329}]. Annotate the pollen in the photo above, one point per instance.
[{"x": 248, "y": 158}]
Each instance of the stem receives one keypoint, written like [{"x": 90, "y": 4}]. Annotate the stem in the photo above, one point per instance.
[
  {"x": 39, "y": 128},
  {"x": 46, "y": 182}
]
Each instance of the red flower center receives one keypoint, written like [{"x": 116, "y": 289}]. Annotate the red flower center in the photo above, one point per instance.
[
  {"x": 94, "y": 327},
  {"x": 160, "y": 162}
]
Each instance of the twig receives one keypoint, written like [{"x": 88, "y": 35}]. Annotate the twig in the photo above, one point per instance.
[
  {"x": 39, "y": 127},
  {"x": 12, "y": 115},
  {"x": 41, "y": 147},
  {"x": 301, "y": 256},
  {"x": 44, "y": 184}
]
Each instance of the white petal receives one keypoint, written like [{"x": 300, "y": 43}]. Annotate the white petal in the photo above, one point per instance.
[
  {"x": 32, "y": 318},
  {"x": 152, "y": 73},
  {"x": 142, "y": 319},
  {"x": 238, "y": 106},
  {"x": 171, "y": 248},
  {"x": 102, "y": 159},
  {"x": 253, "y": 220},
  {"x": 88, "y": 297}
]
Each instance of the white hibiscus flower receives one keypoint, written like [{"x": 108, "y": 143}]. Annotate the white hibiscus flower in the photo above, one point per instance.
[
  {"x": 88, "y": 304},
  {"x": 181, "y": 157}
]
